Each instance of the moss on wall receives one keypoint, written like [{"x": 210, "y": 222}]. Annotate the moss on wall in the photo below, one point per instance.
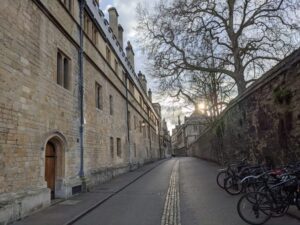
[{"x": 263, "y": 123}]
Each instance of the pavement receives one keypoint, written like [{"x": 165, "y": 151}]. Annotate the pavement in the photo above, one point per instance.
[
  {"x": 294, "y": 212},
  {"x": 68, "y": 211},
  {"x": 204, "y": 203},
  {"x": 179, "y": 191}
]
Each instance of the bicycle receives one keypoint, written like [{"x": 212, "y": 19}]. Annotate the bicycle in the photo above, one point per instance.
[{"x": 256, "y": 208}]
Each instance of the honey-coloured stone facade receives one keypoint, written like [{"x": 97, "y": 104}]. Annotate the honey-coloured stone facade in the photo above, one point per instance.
[{"x": 37, "y": 112}]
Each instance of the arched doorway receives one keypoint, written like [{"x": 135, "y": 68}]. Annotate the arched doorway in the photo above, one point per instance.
[
  {"x": 55, "y": 164},
  {"x": 50, "y": 167}
]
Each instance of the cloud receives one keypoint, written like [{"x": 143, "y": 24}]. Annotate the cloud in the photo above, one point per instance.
[
  {"x": 106, "y": 9},
  {"x": 127, "y": 18},
  {"x": 171, "y": 108}
]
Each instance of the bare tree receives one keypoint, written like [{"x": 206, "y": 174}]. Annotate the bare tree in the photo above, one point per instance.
[
  {"x": 216, "y": 91},
  {"x": 247, "y": 37},
  {"x": 213, "y": 89}
]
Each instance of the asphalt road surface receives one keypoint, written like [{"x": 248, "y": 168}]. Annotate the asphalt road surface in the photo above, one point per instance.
[{"x": 180, "y": 191}]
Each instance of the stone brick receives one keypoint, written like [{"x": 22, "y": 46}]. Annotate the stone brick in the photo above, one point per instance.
[
  {"x": 35, "y": 109},
  {"x": 262, "y": 124}
]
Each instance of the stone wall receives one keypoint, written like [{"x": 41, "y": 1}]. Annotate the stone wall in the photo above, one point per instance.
[
  {"x": 262, "y": 124},
  {"x": 33, "y": 105},
  {"x": 35, "y": 110}
]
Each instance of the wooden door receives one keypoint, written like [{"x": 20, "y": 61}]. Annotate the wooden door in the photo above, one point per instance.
[{"x": 50, "y": 168}]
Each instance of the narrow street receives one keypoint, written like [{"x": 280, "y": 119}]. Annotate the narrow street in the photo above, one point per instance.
[
  {"x": 201, "y": 201},
  {"x": 141, "y": 203}
]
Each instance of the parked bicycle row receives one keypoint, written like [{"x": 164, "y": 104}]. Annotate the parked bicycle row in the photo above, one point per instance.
[{"x": 265, "y": 192}]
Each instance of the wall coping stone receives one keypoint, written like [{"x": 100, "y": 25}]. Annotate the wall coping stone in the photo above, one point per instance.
[{"x": 274, "y": 72}]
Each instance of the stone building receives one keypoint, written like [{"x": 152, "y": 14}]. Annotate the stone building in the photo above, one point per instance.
[
  {"x": 73, "y": 112},
  {"x": 165, "y": 140},
  {"x": 194, "y": 125},
  {"x": 183, "y": 135},
  {"x": 178, "y": 140}
]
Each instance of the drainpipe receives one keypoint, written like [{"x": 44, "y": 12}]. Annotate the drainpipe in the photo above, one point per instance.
[
  {"x": 81, "y": 97},
  {"x": 127, "y": 119}
]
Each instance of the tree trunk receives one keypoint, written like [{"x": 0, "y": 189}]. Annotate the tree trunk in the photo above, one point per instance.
[{"x": 241, "y": 84}]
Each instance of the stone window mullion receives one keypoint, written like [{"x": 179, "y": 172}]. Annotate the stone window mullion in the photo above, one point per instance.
[{"x": 63, "y": 76}]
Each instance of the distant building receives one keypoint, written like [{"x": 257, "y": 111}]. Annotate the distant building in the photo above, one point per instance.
[
  {"x": 194, "y": 126},
  {"x": 178, "y": 140},
  {"x": 165, "y": 140},
  {"x": 183, "y": 135}
]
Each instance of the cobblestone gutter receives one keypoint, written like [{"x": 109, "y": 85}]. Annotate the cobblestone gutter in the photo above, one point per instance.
[{"x": 171, "y": 213}]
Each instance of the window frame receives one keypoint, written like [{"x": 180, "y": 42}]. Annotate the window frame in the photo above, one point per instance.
[
  {"x": 119, "y": 147},
  {"x": 123, "y": 77},
  {"x": 98, "y": 96},
  {"x": 116, "y": 66},
  {"x": 111, "y": 145},
  {"x": 111, "y": 110},
  {"x": 129, "y": 120},
  {"x": 108, "y": 55},
  {"x": 95, "y": 35},
  {"x": 63, "y": 70},
  {"x": 134, "y": 121},
  {"x": 134, "y": 150},
  {"x": 131, "y": 87},
  {"x": 69, "y": 6}
]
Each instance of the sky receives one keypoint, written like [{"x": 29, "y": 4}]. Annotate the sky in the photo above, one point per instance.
[{"x": 127, "y": 18}]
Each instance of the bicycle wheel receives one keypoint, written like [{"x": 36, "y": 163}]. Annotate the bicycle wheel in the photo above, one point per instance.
[
  {"x": 282, "y": 202},
  {"x": 233, "y": 185},
  {"x": 221, "y": 178},
  {"x": 255, "y": 208}
]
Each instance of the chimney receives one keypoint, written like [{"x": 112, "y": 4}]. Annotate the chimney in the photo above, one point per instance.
[
  {"x": 140, "y": 76},
  {"x": 165, "y": 124},
  {"x": 150, "y": 95},
  {"x": 143, "y": 81},
  {"x": 120, "y": 35},
  {"x": 113, "y": 20},
  {"x": 157, "y": 108},
  {"x": 130, "y": 54}
]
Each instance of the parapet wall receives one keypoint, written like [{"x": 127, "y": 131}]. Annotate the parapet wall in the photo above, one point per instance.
[{"x": 262, "y": 124}]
